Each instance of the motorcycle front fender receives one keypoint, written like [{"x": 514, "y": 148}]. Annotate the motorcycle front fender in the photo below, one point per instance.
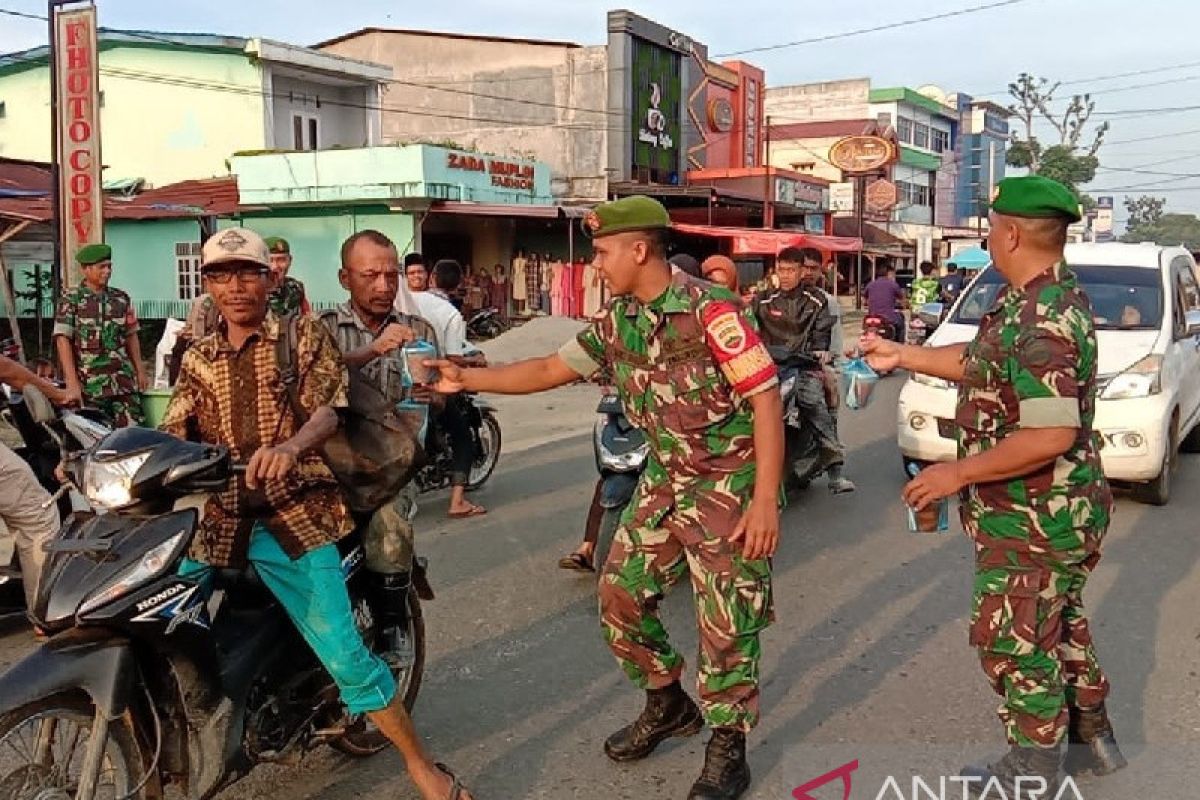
[
  {"x": 617, "y": 488},
  {"x": 96, "y": 660}
]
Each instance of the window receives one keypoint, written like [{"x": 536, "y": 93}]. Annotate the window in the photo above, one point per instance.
[
  {"x": 187, "y": 270},
  {"x": 305, "y": 132},
  {"x": 921, "y": 135},
  {"x": 1187, "y": 294},
  {"x": 941, "y": 141},
  {"x": 904, "y": 130}
]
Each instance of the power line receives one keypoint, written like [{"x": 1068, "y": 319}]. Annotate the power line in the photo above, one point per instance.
[
  {"x": 876, "y": 29},
  {"x": 1192, "y": 132},
  {"x": 1099, "y": 78}
]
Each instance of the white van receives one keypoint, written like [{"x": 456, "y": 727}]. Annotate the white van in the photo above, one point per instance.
[{"x": 1146, "y": 301}]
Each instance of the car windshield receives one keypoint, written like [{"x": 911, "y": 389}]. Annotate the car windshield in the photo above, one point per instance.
[{"x": 1123, "y": 298}]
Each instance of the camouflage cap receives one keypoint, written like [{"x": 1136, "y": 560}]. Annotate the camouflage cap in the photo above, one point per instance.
[
  {"x": 1036, "y": 197},
  {"x": 91, "y": 254},
  {"x": 278, "y": 245},
  {"x": 234, "y": 244},
  {"x": 635, "y": 213}
]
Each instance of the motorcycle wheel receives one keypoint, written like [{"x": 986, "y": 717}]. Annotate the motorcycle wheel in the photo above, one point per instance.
[
  {"x": 362, "y": 738},
  {"x": 488, "y": 455},
  {"x": 66, "y": 722}
]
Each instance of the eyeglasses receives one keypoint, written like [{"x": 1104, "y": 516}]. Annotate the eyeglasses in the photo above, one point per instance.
[{"x": 244, "y": 274}]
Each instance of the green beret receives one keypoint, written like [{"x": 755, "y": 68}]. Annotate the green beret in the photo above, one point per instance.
[
  {"x": 1036, "y": 197},
  {"x": 277, "y": 244},
  {"x": 635, "y": 213},
  {"x": 93, "y": 254}
]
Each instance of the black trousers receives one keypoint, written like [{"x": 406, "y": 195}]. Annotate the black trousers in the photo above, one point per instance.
[{"x": 453, "y": 420}]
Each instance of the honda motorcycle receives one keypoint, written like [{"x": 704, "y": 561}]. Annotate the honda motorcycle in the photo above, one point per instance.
[
  {"x": 152, "y": 679},
  {"x": 802, "y": 447},
  {"x": 485, "y": 324},
  {"x": 485, "y": 437}
]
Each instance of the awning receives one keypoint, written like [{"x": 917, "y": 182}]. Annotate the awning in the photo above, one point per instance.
[
  {"x": 494, "y": 209},
  {"x": 762, "y": 241}
]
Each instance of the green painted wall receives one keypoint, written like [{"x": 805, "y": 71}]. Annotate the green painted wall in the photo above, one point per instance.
[
  {"x": 144, "y": 263},
  {"x": 316, "y": 237},
  {"x": 161, "y": 120}
]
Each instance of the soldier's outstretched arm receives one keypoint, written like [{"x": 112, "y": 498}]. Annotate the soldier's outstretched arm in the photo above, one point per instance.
[{"x": 522, "y": 377}]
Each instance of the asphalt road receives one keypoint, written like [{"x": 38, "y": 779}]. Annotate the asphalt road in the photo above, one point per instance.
[{"x": 868, "y": 660}]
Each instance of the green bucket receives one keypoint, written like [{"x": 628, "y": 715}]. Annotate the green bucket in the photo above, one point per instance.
[{"x": 154, "y": 405}]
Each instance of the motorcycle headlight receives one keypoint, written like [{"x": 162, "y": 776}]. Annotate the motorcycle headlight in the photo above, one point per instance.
[
  {"x": 153, "y": 562},
  {"x": 1143, "y": 379},
  {"x": 929, "y": 380},
  {"x": 108, "y": 484},
  {"x": 788, "y": 384},
  {"x": 624, "y": 462}
]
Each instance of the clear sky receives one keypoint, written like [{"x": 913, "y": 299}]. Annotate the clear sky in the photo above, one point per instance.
[{"x": 978, "y": 53}]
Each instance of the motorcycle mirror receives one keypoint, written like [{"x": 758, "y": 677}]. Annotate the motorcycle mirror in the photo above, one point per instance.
[{"x": 39, "y": 407}]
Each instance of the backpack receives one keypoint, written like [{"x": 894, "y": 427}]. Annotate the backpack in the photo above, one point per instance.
[{"x": 376, "y": 450}]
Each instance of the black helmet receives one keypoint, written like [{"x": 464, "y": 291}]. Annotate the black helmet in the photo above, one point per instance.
[{"x": 686, "y": 263}]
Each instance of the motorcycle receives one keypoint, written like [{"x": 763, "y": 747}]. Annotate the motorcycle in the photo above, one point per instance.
[
  {"x": 802, "y": 447},
  {"x": 485, "y": 435},
  {"x": 620, "y": 450},
  {"x": 485, "y": 324},
  {"x": 149, "y": 678},
  {"x": 925, "y": 321},
  {"x": 86, "y": 428}
]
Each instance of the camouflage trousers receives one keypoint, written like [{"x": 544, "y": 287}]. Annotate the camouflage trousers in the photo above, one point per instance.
[
  {"x": 732, "y": 598},
  {"x": 1034, "y": 641},
  {"x": 389, "y": 536},
  {"x": 124, "y": 409}
]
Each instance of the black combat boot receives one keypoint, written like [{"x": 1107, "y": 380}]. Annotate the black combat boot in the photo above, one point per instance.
[
  {"x": 1028, "y": 763},
  {"x": 1091, "y": 747},
  {"x": 726, "y": 775},
  {"x": 669, "y": 712}
]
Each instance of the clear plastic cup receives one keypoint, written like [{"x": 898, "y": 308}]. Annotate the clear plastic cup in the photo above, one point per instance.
[
  {"x": 856, "y": 382},
  {"x": 415, "y": 355},
  {"x": 934, "y": 518}
]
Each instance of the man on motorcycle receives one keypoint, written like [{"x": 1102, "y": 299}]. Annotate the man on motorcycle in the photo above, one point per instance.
[
  {"x": 926, "y": 289},
  {"x": 287, "y": 513},
  {"x": 370, "y": 333},
  {"x": 29, "y": 513},
  {"x": 796, "y": 321}
]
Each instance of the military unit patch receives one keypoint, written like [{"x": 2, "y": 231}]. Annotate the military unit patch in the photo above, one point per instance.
[{"x": 727, "y": 333}]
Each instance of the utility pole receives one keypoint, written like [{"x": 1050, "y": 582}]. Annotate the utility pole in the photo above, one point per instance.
[{"x": 768, "y": 189}]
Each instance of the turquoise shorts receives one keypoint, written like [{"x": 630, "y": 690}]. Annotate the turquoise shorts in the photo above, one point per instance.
[{"x": 312, "y": 591}]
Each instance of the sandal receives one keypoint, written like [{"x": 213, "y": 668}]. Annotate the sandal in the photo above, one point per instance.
[
  {"x": 456, "y": 789},
  {"x": 577, "y": 562},
  {"x": 473, "y": 511}
]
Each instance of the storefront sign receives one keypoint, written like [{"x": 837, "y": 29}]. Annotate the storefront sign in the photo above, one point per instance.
[
  {"x": 881, "y": 196},
  {"x": 81, "y": 196},
  {"x": 994, "y": 123},
  {"x": 720, "y": 115},
  {"x": 811, "y": 196},
  {"x": 859, "y": 154},
  {"x": 751, "y": 123},
  {"x": 785, "y": 191},
  {"x": 841, "y": 197},
  {"x": 657, "y": 104},
  {"x": 504, "y": 174},
  {"x": 814, "y": 223}
]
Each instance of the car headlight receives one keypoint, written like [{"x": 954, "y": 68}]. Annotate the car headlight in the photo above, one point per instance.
[
  {"x": 1143, "y": 379},
  {"x": 930, "y": 380},
  {"x": 153, "y": 562},
  {"x": 108, "y": 484}
]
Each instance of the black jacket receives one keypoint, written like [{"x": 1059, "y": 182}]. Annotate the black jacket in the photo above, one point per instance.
[{"x": 797, "y": 321}]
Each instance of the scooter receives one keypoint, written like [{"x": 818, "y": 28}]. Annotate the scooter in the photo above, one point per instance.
[
  {"x": 485, "y": 436},
  {"x": 802, "y": 450},
  {"x": 154, "y": 679},
  {"x": 620, "y": 450},
  {"x": 485, "y": 324},
  {"x": 925, "y": 320}
]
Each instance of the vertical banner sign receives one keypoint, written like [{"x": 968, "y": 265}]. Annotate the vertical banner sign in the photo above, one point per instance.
[
  {"x": 657, "y": 98},
  {"x": 80, "y": 192}
]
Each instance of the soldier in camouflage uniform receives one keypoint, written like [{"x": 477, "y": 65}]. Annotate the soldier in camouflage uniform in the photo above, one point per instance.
[
  {"x": 95, "y": 331},
  {"x": 694, "y": 375},
  {"x": 1034, "y": 499}
]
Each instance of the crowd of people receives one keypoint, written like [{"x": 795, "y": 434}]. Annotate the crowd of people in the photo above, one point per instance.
[{"x": 696, "y": 368}]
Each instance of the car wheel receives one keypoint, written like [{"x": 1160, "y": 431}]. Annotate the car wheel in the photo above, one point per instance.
[
  {"x": 1158, "y": 491},
  {"x": 912, "y": 462}
]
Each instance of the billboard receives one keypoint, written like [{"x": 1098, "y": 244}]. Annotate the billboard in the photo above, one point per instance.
[
  {"x": 657, "y": 101},
  {"x": 80, "y": 191}
]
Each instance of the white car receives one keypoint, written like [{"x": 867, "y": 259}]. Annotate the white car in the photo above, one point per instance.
[{"x": 1146, "y": 302}]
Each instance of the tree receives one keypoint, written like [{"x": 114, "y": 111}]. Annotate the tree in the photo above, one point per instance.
[
  {"x": 1072, "y": 159},
  {"x": 1144, "y": 211},
  {"x": 1148, "y": 223}
]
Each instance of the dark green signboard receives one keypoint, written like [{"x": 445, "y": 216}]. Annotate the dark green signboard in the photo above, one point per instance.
[{"x": 657, "y": 100}]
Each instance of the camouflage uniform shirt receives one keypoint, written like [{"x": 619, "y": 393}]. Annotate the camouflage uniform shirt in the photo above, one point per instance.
[
  {"x": 286, "y": 299},
  {"x": 236, "y": 398},
  {"x": 684, "y": 365},
  {"x": 98, "y": 323},
  {"x": 1033, "y": 365}
]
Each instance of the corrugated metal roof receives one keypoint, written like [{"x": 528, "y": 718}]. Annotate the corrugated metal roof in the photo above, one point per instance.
[{"x": 184, "y": 200}]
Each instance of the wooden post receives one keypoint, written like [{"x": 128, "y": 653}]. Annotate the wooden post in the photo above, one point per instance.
[{"x": 9, "y": 298}]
